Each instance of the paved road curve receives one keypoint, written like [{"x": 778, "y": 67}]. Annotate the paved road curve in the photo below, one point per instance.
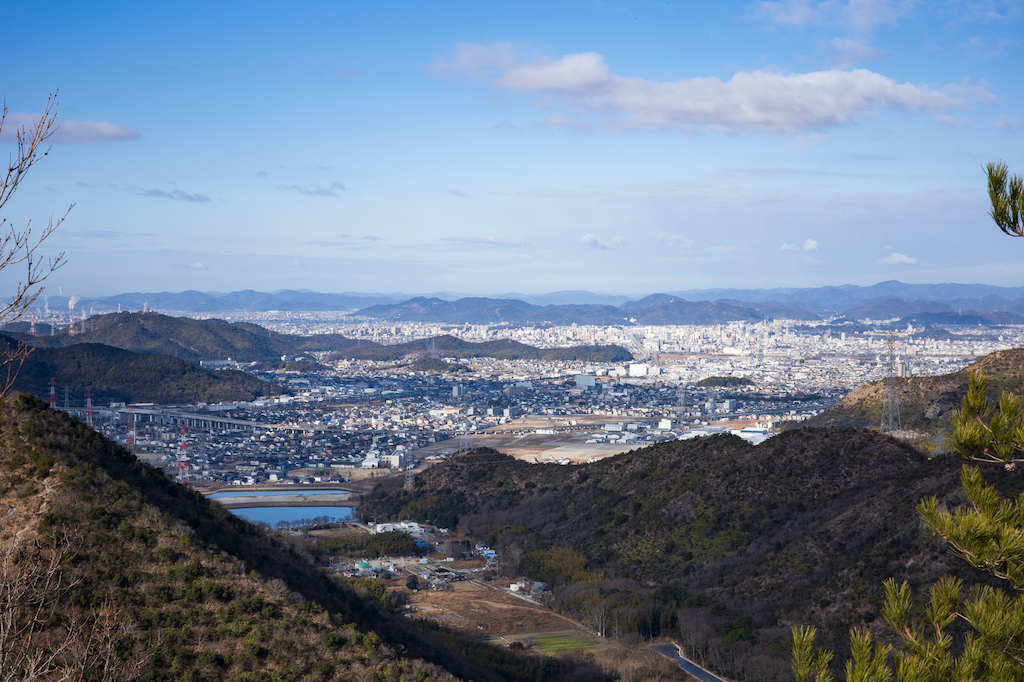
[{"x": 671, "y": 652}]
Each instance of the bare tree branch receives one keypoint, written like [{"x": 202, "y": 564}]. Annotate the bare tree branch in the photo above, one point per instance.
[{"x": 18, "y": 246}]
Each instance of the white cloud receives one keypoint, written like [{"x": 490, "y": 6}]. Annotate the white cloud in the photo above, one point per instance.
[
  {"x": 844, "y": 53},
  {"x": 809, "y": 245},
  {"x": 487, "y": 239},
  {"x": 991, "y": 10},
  {"x": 595, "y": 243},
  {"x": 1006, "y": 124},
  {"x": 69, "y": 132},
  {"x": 316, "y": 190},
  {"x": 751, "y": 101},
  {"x": 178, "y": 194},
  {"x": 858, "y": 15},
  {"x": 471, "y": 57},
  {"x": 676, "y": 241},
  {"x": 789, "y": 12},
  {"x": 198, "y": 265},
  {"x": 896, "y": 258},
  {"x": 573, "y": 73},
  {"x": 966, "y": 88}
]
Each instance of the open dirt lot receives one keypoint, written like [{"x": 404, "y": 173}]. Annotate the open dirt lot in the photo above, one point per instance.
[{"x": 481, "y": 610}]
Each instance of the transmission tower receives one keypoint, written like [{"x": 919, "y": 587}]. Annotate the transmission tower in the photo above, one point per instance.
[
  {"x": 681, "y": 402},
  {"x": 409, "y": 476},
  {"x": 88, "y": 407},
  {"x": 891, "y": 399}
]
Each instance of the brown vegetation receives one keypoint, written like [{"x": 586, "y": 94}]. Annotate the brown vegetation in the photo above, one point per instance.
[{"x": 926, "y": 403}]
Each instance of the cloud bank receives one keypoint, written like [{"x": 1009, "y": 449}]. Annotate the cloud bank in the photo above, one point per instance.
[
  {"x": 487, "y": 239},
  {"x": 69, "y": 132},
  {"x": 809, "y": 245},
  {"x": 316, "y": 190},
  {"x": 593, "y": 242},
  {"x": 175, "y": 194},
  {"x": 896, "y": 258},
  {"x": 751, "y": 101}
]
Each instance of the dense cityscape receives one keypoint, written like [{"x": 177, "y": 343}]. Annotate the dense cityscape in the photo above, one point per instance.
[{"x": 347, "y": 418}]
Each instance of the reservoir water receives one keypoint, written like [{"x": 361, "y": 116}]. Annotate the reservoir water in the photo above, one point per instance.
[
  {"x": 293, "y": 516},
  {"x": 275, "y": 516}
]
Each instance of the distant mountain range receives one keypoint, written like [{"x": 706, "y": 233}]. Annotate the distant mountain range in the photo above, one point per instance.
[{"x": 923, "y": 304}]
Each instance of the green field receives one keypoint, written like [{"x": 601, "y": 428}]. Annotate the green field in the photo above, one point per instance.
[{"x": 555, "y": 643}]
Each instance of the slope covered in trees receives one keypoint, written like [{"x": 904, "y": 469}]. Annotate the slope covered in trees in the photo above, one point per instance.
[
  {"x": 925, "y": 402},
  {"x": 119, "y": 375},
  {"x": 109, "y": 570},
  {"x": 654, "y": 309},
  {"x": 195, "y": 340},
  {"x": 718, "y": 543},
  {"x": 503, "y": 349},
  {"x": 189, "y": 339}
]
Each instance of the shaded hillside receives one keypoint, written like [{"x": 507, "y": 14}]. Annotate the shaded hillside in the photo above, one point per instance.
[
  {"x": 714, "y": 541},
  {"x": 655, "y": 309},
  {"x": 472, "y": 310},
  {"x": 925, "y": 402},
  {"x": 889, "y": 308},
  {"x": 145, "y": 579},
  {"x": 195, "y": 340},
  {"x": 503, "y": 349},
  {"x": 665, "y": 309},
  {"x": 179, "y": 337},
  {"x": 190, "y": 339},
  {"x": 119, "y": 375},
  {"x": 846, "y": 296}
]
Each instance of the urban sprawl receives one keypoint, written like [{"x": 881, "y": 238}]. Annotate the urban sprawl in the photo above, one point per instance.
[{"x": 349, "y": 419}]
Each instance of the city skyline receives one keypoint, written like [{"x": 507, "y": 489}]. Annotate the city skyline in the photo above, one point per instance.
[{"x": 617, "y": 148}]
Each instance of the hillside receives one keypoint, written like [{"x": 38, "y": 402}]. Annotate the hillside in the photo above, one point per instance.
[
  {"x": 925, "y": 402},
  {"x": 119, "y": 375},
  {"x": 195, "y": 340},
  {"x": 503, "y": 349},
  {"x": 133, "y": 576},
  {"x": 713, "y": 541},
  {"x": 655, "y": 309},
  {"x": 188, "y": 339}
]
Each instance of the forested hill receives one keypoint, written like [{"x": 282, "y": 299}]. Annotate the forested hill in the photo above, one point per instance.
[
  {"x": 654, "y": 309},
  {"x": 113, "y": 374},
  {"x": 189, "y": 339},
  {"x": 137, "y": 577},
  {"x": 195, "y": 340},
  {"x": 926, "y": 403},
  {"x": 503, "y": 349},
  {"x": 712, "y": 541}
]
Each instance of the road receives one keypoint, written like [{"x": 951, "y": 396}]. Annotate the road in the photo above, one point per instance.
[{"x": 671, "y": 652}]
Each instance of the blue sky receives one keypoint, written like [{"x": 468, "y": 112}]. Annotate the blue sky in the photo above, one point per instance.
[{"x": 494, "y": 147}]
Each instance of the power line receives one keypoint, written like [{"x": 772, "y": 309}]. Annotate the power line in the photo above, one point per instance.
[{"x": 891, "y": 399}]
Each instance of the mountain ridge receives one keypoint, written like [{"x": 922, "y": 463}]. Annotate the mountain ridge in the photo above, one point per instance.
[{"x": 824, "y": 300}]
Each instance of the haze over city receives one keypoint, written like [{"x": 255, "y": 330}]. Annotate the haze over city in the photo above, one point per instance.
[{"x": 616, "y": 147}]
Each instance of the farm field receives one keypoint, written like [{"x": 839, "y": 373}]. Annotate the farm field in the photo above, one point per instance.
[{"x": 492, "y": 613}]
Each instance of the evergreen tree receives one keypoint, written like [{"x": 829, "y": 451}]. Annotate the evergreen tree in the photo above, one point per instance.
[{"x": 987, "y": 533}]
